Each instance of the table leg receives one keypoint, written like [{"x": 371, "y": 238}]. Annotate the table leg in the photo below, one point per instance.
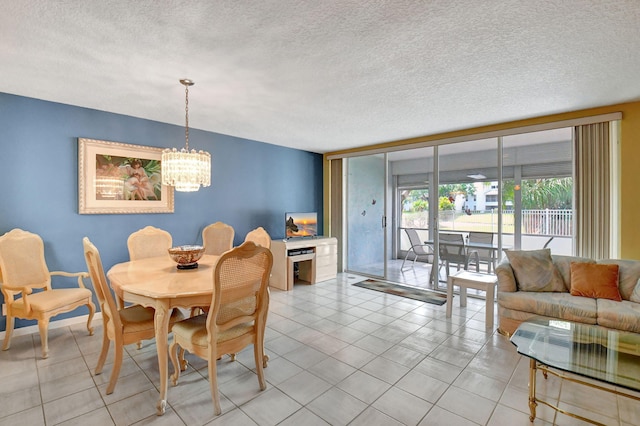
[
  {"x": 463, "y": 294},
  {"x": 161, "y": 323},
  {"x": 449, "y": 296},
  {"x": 489, "y": 307},
  {"x": 532, "y": 389},
  {"x": 433, "y": 276}
]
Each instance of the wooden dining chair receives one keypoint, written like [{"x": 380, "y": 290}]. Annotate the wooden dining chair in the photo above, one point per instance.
[
  {"x": 237, "y": 317},
  {"x": 124, "y": 326},
  {"x": 217, "y": 238},
  {"x": 259, "y": 236},
  {"x": 24, "y": 273},
  {"x": 149, "y": 242}
]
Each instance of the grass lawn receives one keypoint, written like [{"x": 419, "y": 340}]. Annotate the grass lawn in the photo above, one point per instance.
[{"x": 460, "y": 221}]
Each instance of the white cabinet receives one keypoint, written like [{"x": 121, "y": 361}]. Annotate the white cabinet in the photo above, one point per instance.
[{"x": 303, "y": 261}]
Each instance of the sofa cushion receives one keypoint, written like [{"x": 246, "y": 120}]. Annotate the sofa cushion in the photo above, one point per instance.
[
  {"x": 595, "y": 280},
  {"x": 623, "y": 315},
  {"x": 556, "y": 305},
  {"x": 563, "y": 263},
  {"x": 534, "y": 271},
  {"x": 629, "y": 273}
]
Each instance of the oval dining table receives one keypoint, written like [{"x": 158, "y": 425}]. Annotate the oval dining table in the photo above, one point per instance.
[{"x": 157, "y": 283}]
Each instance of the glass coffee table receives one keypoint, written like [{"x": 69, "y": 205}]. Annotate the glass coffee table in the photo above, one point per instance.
[{"x": 557, "y": 347}]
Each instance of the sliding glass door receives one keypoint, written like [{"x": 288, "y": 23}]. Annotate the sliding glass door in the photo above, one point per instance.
[
  {"x": 538, "y": 191},
  {"x": 414, "y": 214},
  {"x": 468, "y": 208},
  {"x": 366, "y": 215},
  {"x": 511, "y": 192}
]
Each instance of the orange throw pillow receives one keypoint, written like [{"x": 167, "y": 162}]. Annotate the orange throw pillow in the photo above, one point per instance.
[{"x": 595, "y": 280}]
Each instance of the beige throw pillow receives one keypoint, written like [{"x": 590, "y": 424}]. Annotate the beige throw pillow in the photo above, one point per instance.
[
  {"x": 635, "y": 296},
  {"x": 535, "y": 271}
]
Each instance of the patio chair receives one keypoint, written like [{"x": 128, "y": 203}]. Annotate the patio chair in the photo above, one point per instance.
[
  {"x": 418, "y": 248},
  {"x": 477, "y": 255},
  {"x": 452, "y": 249}
]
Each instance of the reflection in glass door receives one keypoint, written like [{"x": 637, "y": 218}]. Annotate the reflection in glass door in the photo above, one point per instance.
[{"x": 366, "y": 219}]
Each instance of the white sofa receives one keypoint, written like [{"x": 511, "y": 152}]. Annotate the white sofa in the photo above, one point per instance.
[{"x": 516, "y": 306}]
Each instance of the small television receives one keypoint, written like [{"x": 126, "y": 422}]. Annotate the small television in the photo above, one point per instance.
[{"x": 301, "y": 225}]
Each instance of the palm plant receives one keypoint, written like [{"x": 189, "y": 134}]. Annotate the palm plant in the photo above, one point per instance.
[{"x": 551, "y": 193}]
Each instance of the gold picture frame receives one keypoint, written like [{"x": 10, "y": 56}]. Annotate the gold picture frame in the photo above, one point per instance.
[{"x": 120, "y": 178}]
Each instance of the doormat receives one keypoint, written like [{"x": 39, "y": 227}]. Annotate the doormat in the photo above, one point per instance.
[{"x": 404, "y": 291}]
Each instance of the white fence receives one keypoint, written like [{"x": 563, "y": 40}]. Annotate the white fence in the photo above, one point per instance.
[{"x": 547, "y": 222}]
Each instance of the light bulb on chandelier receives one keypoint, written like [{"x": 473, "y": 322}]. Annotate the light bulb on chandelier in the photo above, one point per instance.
[{"x": 186, "y": 170}]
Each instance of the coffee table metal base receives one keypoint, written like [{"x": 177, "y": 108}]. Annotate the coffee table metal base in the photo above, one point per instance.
[{"x": 534, "y": 366}]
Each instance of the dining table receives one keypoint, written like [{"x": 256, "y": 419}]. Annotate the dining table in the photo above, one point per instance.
[{"x": 156, "y": 282}]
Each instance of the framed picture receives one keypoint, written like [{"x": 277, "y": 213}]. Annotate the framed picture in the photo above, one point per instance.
[{"x": 118, "y": 178}]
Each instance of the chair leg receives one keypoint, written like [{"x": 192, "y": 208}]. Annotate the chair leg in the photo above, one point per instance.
[
  {"x": 405, "y": 259},
  {"x": 92, "y": 311},
  {"x": 43, "y": 326},
  {"x": 103, "y": 353},
  {"x": 117, "y": 364},
  {"x": 213, "y": 383},
  {"x": 8, "y": 332},
  {"x": 258, "y": 354},
  {"x": 183, "y": 362}
]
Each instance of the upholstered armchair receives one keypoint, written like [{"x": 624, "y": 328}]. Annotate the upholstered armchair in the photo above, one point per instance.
[{"x": 26, "y": 286}]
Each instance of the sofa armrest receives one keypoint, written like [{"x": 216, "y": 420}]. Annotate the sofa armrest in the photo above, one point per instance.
[{"x": 506, "y": 278}]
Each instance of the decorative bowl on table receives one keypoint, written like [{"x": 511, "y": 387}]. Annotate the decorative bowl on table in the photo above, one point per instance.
[{"x": 186, "y": 256}]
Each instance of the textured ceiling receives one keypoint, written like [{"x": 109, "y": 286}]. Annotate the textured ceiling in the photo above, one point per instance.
[{"x": 324, "y": 75}]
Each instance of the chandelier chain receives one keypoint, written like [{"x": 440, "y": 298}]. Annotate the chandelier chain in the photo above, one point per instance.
[{"x": 186, "y": 117}]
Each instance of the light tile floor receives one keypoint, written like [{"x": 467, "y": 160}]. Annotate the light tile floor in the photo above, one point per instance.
[{"x": 339, "y": 354}]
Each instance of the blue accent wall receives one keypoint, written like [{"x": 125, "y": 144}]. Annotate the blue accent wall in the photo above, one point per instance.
[{"x": 253, "y": 183}]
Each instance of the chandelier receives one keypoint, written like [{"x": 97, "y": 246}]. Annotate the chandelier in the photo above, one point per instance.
[{"x": 186, "y": 170}]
